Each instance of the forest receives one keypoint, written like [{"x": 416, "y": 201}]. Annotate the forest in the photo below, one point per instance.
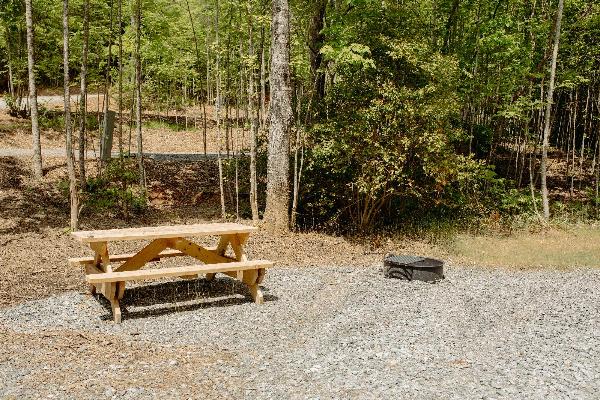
[{"x": 342, "y": 115}]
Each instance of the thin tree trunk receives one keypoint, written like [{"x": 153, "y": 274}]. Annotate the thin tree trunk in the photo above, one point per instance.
[
  {"x": 218, "y": 110},
  {"x": 546, "y": 138},
  {"x": 105, "y": 134},
  {"x": 120, "y": 18},
  {"x": 67, "y": 102},
  {"x": 252, "y": 105},
  {"x": 315, "y": 43},
  {"x": 138, "y": 92},
  {"x": 296, "y": 186},
  {"x": 9, "y": 63},
  {"x": 263, "y": 84},
  {"x": 83, "y": 92},
  {"x": 204, "y": 124},
  {"x": 33, "y": 105},
  {"x": 278, "y": 193}
]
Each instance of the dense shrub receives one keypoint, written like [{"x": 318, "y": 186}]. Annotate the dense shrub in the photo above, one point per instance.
[
  {"x": 116, "y": 191},
  {"x": 391, "y": 145}
]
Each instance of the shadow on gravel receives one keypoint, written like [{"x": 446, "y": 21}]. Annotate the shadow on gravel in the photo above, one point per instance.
[{"x": 180, "y": 296}]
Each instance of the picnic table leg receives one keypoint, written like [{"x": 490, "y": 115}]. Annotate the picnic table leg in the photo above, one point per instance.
[
  {"x": 116, "y": 308},
  {"x": 101, "y": 261},
  {"x": 112, "y": 291},
  {"x": 221, "y": 249},
  {"x": 250, "y": 278}
]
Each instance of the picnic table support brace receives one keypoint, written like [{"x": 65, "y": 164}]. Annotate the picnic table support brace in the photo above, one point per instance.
[{"x": 221, "y": 249}]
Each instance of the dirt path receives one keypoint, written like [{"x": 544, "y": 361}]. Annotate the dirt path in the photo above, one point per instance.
[{"x": 61, "y": 153}]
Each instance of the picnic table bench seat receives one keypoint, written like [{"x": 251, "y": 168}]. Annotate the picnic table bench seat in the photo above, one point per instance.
[{"x": 168, "y": 241}]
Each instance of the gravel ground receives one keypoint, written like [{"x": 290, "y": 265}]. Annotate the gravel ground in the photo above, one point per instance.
[{"x": 322, "y": 333}]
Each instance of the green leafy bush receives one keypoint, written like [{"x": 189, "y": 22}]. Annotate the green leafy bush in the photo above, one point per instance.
[
  {"x": 116, "y": 191},
  {"x": 388, "y": 152}
]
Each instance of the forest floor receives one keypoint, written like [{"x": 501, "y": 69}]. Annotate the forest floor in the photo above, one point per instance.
[
  {"x": 180, "y": 131},
  {"x": 330, "y": 325}
]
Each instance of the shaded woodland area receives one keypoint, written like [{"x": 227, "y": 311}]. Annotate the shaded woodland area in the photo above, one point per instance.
[{"x": 344, "y": 115}]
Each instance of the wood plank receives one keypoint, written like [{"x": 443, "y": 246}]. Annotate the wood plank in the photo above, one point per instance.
[
  {"x": 237, "y": 244},
  {"x": 101, "y": 258},
  {"x": 150, "y": 274},
  {"x": 116, "y": 310},
  {"x": 198, "y": 252},
  {"x": 261, "y": 276},
  {"x": 162, "y": 232},
  {"x": 223, "y": 243},
  {"x": 256, "y": 294},
  {"x": 101, "y": 261},
  {"x": 144, "y": 256},
  {"x": 83, "y": 261}
]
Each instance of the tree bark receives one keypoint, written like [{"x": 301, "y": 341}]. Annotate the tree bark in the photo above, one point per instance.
[
  {"x": 218, "y": 110},
  {"x": 315, "y": 43},
  {"x": 33, "y": 105},
  {"x": 263, "y": 82},
  {"x": 546, "y": 137},
  {"x": 120, "y": 18},
  {"x": 254, "y": 110},
  {"x": 278, "y": 192},
  {"x": 106, "y": 137},
  {"x": 83, "y": 91},
  {"x": 9, "y": 63},
  {"x": 68, "y": 135},
  {"x": 138, "y": 92}
]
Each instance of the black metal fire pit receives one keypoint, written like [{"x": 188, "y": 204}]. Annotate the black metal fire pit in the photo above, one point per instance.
[{"x": 412, "y": 268}]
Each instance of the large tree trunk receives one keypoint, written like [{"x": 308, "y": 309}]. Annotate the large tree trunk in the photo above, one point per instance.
[
  {"x": 546, "y": 137},
  {"x": 83, "y": 91},
  {"x": 33, "y": 106},
  {"x": 278, "y": 193},
  {"x": 67, "y": 99}
]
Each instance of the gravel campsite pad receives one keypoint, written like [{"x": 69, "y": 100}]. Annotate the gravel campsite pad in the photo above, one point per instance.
[{"x": 322, "y": 333}]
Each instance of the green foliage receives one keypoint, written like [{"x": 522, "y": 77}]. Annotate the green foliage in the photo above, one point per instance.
[
  {"x": 391, "y": 140},
  {"x": 116, "y": 191}
]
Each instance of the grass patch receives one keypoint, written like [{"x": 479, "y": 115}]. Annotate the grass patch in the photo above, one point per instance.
[
  {"x": 168, "y": 125},
  {"x": 576, "y": 246}
]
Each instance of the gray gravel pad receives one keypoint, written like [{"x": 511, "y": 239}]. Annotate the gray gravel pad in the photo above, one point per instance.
[{"x": 351, "y": 333}]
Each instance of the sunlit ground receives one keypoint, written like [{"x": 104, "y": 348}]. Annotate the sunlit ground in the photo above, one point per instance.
[{"x": 578, "y": 246}]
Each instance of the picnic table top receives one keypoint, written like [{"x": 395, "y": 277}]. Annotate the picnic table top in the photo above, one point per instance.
[{"x": 162, "y": 232}]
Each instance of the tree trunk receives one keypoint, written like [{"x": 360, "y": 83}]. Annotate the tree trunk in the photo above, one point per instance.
[
  {"x": 218, "y": 110},
  {"x": 9, "y": 62},
  {"x": 120, "y": 18},
  {"x": 106, "y": 137},
  {"x": 67, "y": 101},
  {"x": 83, "y": 91},
  {"x": 278, "y": 193},
  {"x": 252, "y": 105},
  {"x": 263, "y": 84},
  {"x": 33, "y": 106},
  {"x": 315, "y": 43},
  {"x": 138, "y": 92},
  {"x": 546, "y": 137}
]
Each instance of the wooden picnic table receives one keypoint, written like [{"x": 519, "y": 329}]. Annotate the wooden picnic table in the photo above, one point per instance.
[{"x": 108, "y": 274}]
